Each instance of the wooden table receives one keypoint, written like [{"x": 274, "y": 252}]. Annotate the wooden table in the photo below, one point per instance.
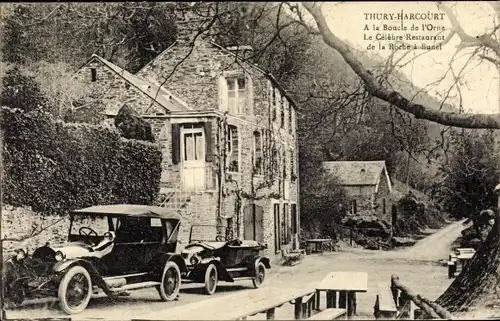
[
  {"x": 318, "y": 243},
  {"x": 236, "y": 306},
  {"x": 347, "y": 283}
]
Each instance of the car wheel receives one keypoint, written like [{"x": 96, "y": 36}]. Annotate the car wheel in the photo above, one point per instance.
[
  {"x": 75, "y": 290},
  {"x": 170, "y": 282},
  {"x": 211, "y": 279},
  {"x": 260, "y": 275}
]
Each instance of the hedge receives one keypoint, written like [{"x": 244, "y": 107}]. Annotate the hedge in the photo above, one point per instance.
[{"x": 54, "y": 166}]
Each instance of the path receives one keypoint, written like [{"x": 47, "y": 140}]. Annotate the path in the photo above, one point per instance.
[
  {"x": 418, "y": 268},
  {"x": 435, "y": 246}
]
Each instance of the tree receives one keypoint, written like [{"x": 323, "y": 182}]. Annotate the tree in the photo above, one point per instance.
[
  {"x": 470, "y": 174},
  {"x": 376, "y": 88}
]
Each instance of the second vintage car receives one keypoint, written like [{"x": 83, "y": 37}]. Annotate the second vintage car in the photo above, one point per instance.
[
  {"x": 212, "y": 256},
  {"x": 112, "y": 248}
]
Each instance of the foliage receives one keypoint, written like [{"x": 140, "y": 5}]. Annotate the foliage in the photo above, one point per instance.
[
  {"x": 323, "y": 201},
  {"x": 132, "y": 126},
  {"x": 128, "y": 33},
  {"x": 21, "y": 91},
  {"x": 470, "y": 174},
  {"x": 54, "y": 166}
]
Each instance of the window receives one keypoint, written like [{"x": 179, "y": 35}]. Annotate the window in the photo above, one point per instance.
[
  {"x": 232, "y": 149},
  {"x": 282, "y": 111},
  {"x": 383, "y": 206},
  {"x": 93, "y": 74},
  {"x": 237, "y": 95},
  {"x": 272, "y": 102},
  {"x": 292, "y": 163},
  {"x": 258, "y": 156},
  {"x": 354, "y": 207}
]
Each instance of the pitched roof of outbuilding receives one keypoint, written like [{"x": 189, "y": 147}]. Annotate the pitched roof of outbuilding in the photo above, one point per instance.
[
  {"x": 357, "y": 172},
  {"x": 159, "y": 94}
]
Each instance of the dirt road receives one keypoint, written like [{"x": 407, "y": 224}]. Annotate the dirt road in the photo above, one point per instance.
[{"x": 418, "y": 268}]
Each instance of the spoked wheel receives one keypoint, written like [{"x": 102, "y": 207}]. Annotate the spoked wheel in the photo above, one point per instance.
[
  {"x": 260, "y": 275},
  {"x": 211, "y": 279},
  {"x": 75, "y": 290},
  {"x": 170, "y": 282}
]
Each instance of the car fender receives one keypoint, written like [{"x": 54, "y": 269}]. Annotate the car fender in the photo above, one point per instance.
[
  {"x": 265, "y": 260},
  {"x": 62, "y": 266},
  {"x": 221, "y": 269},
  {"x": 159, "y": 261}
]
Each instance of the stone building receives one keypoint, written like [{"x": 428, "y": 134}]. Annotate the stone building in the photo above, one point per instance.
[
  {"x": 227, "y": 130},
  {"x": 367, "y": 184}
]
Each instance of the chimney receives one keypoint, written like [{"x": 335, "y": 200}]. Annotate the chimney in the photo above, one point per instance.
[{"x": 192, "y": 20}]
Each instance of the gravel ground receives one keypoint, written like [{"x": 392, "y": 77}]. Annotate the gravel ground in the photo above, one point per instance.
[{"x": 418, "y": 267}]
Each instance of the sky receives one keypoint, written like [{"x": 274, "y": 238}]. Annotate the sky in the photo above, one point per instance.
[{"x": 481, "y": 85}]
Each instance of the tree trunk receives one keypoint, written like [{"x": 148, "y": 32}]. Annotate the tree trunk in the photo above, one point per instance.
[{"x": 477, "y": 284}]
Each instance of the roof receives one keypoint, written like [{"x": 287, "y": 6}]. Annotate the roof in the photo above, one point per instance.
[
  {"x": 356, "y": 173},
  {"x": 268, "y": 75},
  {"x": 162, "y": 96},
  {"x": 131, "y": 210}
]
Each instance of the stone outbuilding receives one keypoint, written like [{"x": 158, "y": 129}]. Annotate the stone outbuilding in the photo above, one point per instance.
[{"x": 367, "y": 184}]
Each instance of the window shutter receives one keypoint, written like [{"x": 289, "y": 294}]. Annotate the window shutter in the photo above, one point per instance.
[
  {"x": 250, "y": 107},
  {"x": 209, "y": 156},
  {"x": 223, "y": 93},
  {"x": 176, "y": 143}
]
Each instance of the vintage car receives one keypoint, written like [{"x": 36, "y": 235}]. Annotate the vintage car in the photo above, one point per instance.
[
  {"x": 111, "y": 248},
  {"x": 212, "y": 256}
]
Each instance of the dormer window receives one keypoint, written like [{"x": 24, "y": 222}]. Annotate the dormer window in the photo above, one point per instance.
[
  {"x": 93, "y": 74},
  {"x": 237, "y": 95},
  {"x": 235, "y": 90}
]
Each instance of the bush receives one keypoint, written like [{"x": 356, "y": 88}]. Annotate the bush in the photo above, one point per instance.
[{"x": 54, "y": 166}]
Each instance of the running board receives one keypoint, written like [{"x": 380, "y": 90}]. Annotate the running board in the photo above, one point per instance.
[
  {"x": 244, "y": 278},
  {"x": 237, "y": 269},
  {"x": 124, "y": 276},
  {"x": 134, "y": 286}
]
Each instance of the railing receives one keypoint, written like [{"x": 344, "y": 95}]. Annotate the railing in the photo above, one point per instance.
[{"x": 177, "y": 198}]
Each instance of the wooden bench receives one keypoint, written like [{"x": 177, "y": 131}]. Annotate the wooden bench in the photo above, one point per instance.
[
  {"x": 329, "y": 314},
  {"x": 385, "y": 306},
  {"x": 292, "y": 257}
]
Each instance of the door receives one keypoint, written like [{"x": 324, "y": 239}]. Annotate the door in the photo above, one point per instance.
[
  {"x": 253, "y": 223},
  {"x": 193, "y": 158},
  {"x": 277, "y": 234}
]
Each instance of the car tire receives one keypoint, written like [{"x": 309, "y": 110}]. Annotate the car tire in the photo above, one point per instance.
[
  {"x": 80, "y": 275},
  {"x": 260, "y": 275},
  {"x": 171, "y": 274},
  {"x": 211, "y": 279}
]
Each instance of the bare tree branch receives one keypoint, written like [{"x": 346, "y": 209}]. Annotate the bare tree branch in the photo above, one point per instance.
[{"x": 394, "y": 97}]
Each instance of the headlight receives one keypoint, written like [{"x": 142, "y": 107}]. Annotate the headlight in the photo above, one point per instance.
[
  {"x": 59, "y": 256},
  {"x": 20, "y": 254},
  {"x": 194, "y": 260}
]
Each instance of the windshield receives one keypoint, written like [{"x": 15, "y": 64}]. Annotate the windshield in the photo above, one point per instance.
[
  {"x": 83, "y": 223},
  {"x": 204, "y": 233}
]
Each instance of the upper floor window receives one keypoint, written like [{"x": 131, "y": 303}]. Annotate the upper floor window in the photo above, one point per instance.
[
  {"x": 282, "y": 111},
  {"x": 272, "y": 101},
  {"x": 354, "y": 207},
  {"x": 93, "y": 74},
  {"x": 237, "y": 95},
  {"x": 258, "y": 153},
  {"x": 233, "y": 149}
]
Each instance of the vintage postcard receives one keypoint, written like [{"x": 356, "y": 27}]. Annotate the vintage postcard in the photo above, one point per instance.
[{"x": 250, "y": 160}]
